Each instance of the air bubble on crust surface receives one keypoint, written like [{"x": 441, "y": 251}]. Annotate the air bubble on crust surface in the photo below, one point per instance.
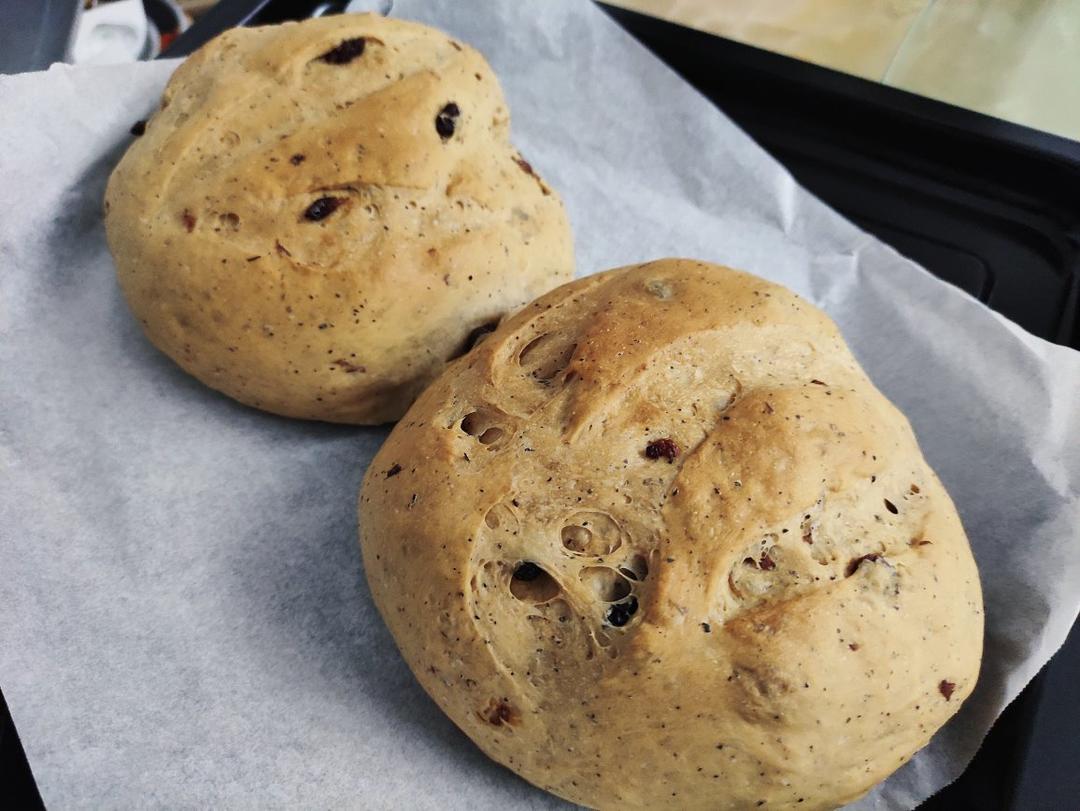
[
  {"x": 544, "y": 357},
  {"x": 491, "y": 435},
  {"x": 483, "y": 425},
  {"x": 591, "y": 533},
  {"x": 636, "y": 567},
  {"x": 532, "y": 583},
  {"x": 485, "y": 576},
  {"x": 576, "y": 538},
  {"x": 500, "y": 516},
  {"x": 528, "y": 349},
  {"x": 601, "y": 637},
  {"x": 765, "y": 569},
  {"x": 605, "y": 584}
]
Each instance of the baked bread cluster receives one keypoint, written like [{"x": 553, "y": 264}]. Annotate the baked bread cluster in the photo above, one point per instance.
[
  {"x": 652, "y": 541},
  {"x": 322, "y": 214},
  {"x": 657, "y": 541}
]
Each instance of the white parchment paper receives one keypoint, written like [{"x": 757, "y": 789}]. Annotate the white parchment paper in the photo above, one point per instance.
[{"x": 183, "y": 616}]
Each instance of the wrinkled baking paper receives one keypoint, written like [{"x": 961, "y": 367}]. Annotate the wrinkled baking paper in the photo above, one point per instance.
[{"x": 183, "y": 617}]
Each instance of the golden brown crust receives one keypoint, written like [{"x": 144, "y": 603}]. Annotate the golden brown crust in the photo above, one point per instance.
[
  {"x": 313, "y": 231},
  {"x": 744, "y": 584}
]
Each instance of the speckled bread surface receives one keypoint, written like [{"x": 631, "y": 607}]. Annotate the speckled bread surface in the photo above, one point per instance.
[
  {"x": 658, "y": 542},
  {"x": 321, "y": 213}
]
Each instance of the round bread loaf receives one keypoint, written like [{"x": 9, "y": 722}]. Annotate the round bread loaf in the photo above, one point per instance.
[
  {"x": 322, "y": 213},
  {"x": 658, "y": 542}
]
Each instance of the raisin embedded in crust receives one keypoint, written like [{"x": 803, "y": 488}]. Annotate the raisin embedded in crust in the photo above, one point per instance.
[
  {"x": 322, "y": 208},
  {"x": 446, "y": 121},
  {"x": 345, "y": 52},
  {"x": 662, "y": 449},
  {"x": 524, "y": 165},
  {"x": 620, "y": 613}
]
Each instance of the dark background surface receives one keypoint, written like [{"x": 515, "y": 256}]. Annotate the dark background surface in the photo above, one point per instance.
[
  {"x": 989, "y": 206},
  {"x": 35, "y": 33}
]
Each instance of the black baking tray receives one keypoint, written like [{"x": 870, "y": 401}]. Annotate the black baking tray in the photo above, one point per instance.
[{"x": 990, "y": 206}]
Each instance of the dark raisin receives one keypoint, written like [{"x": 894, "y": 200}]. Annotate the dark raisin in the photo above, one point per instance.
[
  {"x": 297, "y": 159},
  {"x": 446, "y": 120},
  {"x": 322, "y": 208},
  {"x": 499, "y": 713},
  {"x": 662, "y": 449},
  {"x": 138, "y": 128},
  {"x": 854, "y": 564},
  {"x": 767, "y": 563},
  {"x": 891, "y": 507},
  {"x": 707, "y": 629},
  {"x": 620, "y": 613},
  {"x": 502, "y": 714},
  {"x": 393, "y": 471},
  {"x": 525, "y": 166},
  {"x": 527, "y": 571},
  {"x": 344, "y": 53},
  {"x": 189, "y": 220},
  {"x": 854, "y": 645},
  {"x": 946, "y": 689}
]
